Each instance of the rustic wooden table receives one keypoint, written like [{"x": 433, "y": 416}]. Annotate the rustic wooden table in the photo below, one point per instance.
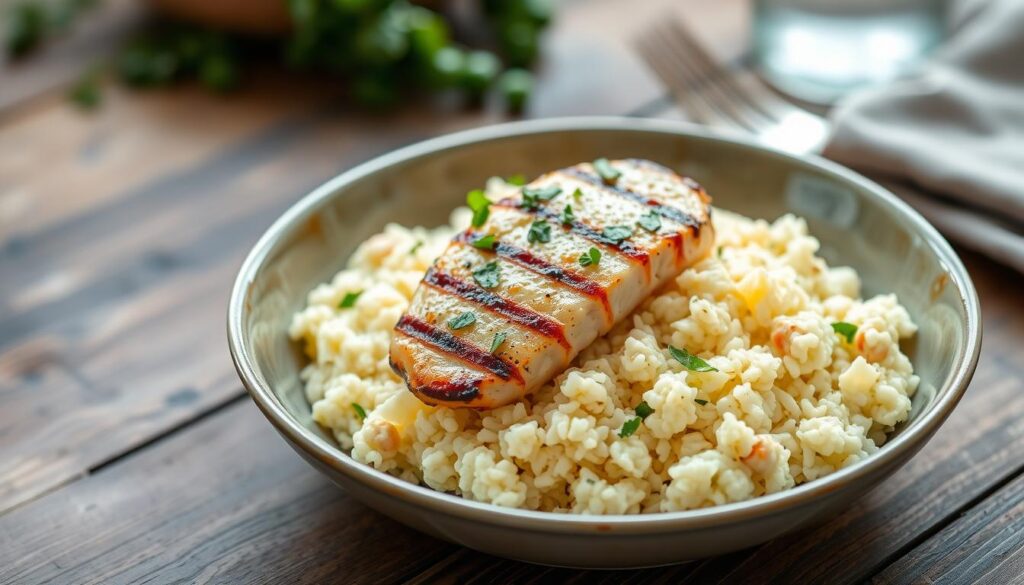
[{"x": 129, "y": 450}]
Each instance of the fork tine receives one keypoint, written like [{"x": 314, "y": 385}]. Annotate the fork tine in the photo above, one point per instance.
[
  {"x": 756, "y": 96},
  {"x": 681, "y": 83},
  {"x": 713, "y": 76}
]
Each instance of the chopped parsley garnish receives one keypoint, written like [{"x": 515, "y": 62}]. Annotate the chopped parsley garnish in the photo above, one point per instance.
[
  {"x": 719, "y": 252},
  {"x": 487, "y": 242},
  {"x": 847, "y": 330},
  {"x": 540, "y": 231},
  {"x": 481, "y": 206},
  {"x": 629, "y": 427},
  {"x": 590, "y": 257},
  {"x": 608, "y": 173},
  {"x": 532, "y": 196},
  {"x": 350, "y": 300},
  {"x": 700, "y": 401},
  {"x": 499, "y": 338},
  {"x": 643, "y": 410},
  {"x": 690, "y": 361},
  {"x": 577, "y": 194},
  {"x": 487, "y": 276},
  {"x": 518, "y": 180},
  {"x": 617, "y": 233},
  {"x": 464, "y": 320},
  {"x": 568, "y": 216},
  {"x": 360, "y": 411},
  {"x": 415, "y": 247},
  {"x": 650, "y": 222}
]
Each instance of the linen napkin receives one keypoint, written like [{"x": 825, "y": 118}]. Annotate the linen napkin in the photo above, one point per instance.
[{"x": 950, "y": 138}]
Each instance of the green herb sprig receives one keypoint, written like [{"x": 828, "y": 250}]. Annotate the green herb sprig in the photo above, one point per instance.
[
  {"x": 590, "y": 258},
  {"x": 480, "y": 205},
  {"x": 486, "y": 242},
  {"x": 568, "y": 215},
  {"x": 349, "y": 300},
  {"x": 463, "y": 320},
  {"x": 360, "y": 411},
  {"x": 847, "y": 330},
  {"x": 690, "y": 361},
  {"x": 499, "y": 338},
  {"x": 629, "y": 427},
  {"x": 533, "y": 196},
  {"x": 540, "y": 231},
  {"x": 608, "y": 173},
  {"x": 616, "y": 234},
  {"x": 488, "y": 276},
  {"x": 650, "y": 221}
]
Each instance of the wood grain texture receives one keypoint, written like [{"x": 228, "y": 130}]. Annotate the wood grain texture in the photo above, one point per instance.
[
  {"x": 226, "y": 502},
  {"x": 986, "y": 544}
]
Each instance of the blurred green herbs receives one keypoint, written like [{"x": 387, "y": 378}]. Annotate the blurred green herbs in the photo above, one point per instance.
[{"x": 385, "y": 49}]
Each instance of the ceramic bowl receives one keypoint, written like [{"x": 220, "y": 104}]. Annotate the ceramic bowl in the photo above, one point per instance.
[{"x": 859, "y": 224}]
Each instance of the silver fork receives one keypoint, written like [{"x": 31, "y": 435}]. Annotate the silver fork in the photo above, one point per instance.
[{"x": 716, "y": 97}]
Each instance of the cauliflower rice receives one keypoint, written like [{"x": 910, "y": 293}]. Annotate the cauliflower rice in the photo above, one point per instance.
[{"x": 791, "y": 401}]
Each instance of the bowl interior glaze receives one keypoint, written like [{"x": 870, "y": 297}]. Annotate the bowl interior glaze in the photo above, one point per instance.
[{"x": 857, "y": 222}]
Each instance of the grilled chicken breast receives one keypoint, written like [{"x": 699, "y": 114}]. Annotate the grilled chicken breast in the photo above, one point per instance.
[{"x": 510, "y": 303}]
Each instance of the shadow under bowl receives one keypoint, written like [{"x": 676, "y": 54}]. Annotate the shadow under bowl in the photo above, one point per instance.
[{"x": 859, "y": 224}]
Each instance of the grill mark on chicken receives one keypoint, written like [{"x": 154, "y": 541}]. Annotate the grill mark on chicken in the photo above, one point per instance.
[
  {"x": 461, "y": 389},
  {"x": 541, "y": 267},
  {"x": 456, "y": 347},
  {"x": 625, "y": 247},
  {"x": 666, "y": 211},
  {"x": 515, "y": 312}
]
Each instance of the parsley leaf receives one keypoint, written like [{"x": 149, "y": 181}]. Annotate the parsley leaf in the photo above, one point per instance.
[
  {"x": 487, "y": 276},
  {"x": 629, "y": 427},
  {"x": 499, "y": 338},
  {"x": 568, "y": 216},
  {"x": 847, "y": 330},
  {"x": 700, "y": 401},
  {"x": 608, "y": 173},
  {"x": 360, "y": 411},
  {"x": 350, "y": 300},
  {"x": 690, "y": 361},
  {"x": 518, "y": 180},
  {"x": 591, "y": 256},
  {"x": 533, "y": 196},
  {"x": 617, "y": 233},
  {"x": 464, "y": 320},
  {"x": 643, "y": 410},
  {"x": 650, "y": 222},
  {"x": 540, "y": 231},
  {"x": 487, "y": 242},
  {"x": 415, "y": 247},
  {"x": 577, "y": 194},
  {"x": 481, "y": 206}
]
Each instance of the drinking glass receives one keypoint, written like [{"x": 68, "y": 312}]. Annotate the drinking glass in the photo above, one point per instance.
[{"x": 819, "y": 50}]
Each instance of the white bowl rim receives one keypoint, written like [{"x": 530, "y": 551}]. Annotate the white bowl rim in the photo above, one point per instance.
[{"x": 902, "y": 445}]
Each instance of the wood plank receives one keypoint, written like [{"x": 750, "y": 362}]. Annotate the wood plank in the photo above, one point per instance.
[
  {"x": 93, "y": 159},
  {"x": 984, "y": 546},
  {"x": 226, "y": 502}
]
